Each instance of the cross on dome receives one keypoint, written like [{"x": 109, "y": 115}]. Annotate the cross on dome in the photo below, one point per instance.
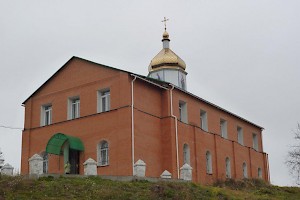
[{"x": 165, "y": 22}]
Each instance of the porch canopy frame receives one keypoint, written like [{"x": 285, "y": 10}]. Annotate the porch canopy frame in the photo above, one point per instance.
[{"x": 55, "y": 143}]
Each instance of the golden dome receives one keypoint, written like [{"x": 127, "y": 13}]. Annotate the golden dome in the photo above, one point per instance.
[
  {"x": 165, "y": 35},
  {"x": 166, "y": 58}
]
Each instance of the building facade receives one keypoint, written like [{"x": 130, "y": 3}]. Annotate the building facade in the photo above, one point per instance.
[{"x": 89, "y": 110}]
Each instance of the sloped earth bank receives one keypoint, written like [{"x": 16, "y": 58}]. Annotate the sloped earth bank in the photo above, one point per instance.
[{"x": 19, "y": 187}]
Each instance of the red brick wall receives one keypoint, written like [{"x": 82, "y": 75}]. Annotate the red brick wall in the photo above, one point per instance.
[
  {"x": 154, "y": 128},
  {"x": 82, "y": 79}
]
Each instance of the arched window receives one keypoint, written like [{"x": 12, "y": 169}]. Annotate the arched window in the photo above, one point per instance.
[
  {"x": 228, "y": 169},
  {"x": 245, "y": 174},
  {"x": 259, "y": 171},
  {"x": 208, "y": 163},
  {"x": 45, "y": 155},
  {"x": 103, "y": 157},
  {"x": 186, "y": 154}
]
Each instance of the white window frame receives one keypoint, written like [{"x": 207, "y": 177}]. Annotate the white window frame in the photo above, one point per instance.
[
  {"x": 245, "y": 172},
  {"x": 103, "y": 97},
  {"x": 259, "y": 172},
  {"x": 103, "y": 153},
  {"x": 46, "y": 115},
  {"x": 240, "y": 135},
  {"x": 223, "y": 128},
  {"x": 203, "y": 120},
  {"x": 186, "y": 154},
  {"x": 227, "y": 168},
  {"x": 183, "y": 111},
  {"x": 208, "y": 162},
  {"x": 45, "y": 157},
  {"x": 255, "y": 141},
  {"x": 74, "y": 107}
]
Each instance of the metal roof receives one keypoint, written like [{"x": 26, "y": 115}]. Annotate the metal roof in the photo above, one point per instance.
[
  {"x": 155, "y": 81},
  {"x": 56, "y": 142}
]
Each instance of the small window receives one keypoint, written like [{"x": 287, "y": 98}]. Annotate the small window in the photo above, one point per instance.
[
  {"x": 240, "y": 135},
  {"x": 182, "y": 80},
  {"x": 228, "y": 168},
  {"x": 103, "y": 153},
  {"x": 203, "y": 120},
  {"x": 245, "y": 173},
  {"x": 223, "y": 128},
  {"x": 255, "y": 141},
  {"x": 186, "y": 154},
  {"x": 182, "y": 111},
  {"x": 208, "y": 163},
  {"x": 103, "y": 100},
  {"x": 74, "y": 108},
  {"x": 259, "y": 172},
  {"x": 46, "y": 116}
]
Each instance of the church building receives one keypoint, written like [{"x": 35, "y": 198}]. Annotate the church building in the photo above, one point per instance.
[{"x": 118, "y": 118}]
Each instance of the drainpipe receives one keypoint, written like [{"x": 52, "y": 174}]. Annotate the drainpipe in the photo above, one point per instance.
[
  {"x": 132, "y": 126},
  {"x": 132, "y": 115},
  {"x": 176, "y": 130}
]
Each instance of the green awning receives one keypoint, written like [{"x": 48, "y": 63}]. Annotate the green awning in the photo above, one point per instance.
[{"x": 56, "y": 141}]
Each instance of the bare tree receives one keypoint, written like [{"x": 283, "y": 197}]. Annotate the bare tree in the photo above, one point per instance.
[
  {"x": 293, "y": 158},
  {"x": 1, "y": 160}
]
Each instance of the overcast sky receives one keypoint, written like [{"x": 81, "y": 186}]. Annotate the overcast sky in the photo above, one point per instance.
[{"x": 240, "y": 55}]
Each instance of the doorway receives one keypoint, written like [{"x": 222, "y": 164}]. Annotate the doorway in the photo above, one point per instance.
[
  {"x": 69, "y": 147},
  {"x": 74, "y": 161}
]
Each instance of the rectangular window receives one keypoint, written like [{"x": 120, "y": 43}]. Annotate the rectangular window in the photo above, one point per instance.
[
  {"x": 255, "y": 141},
  {"x": 259, "y": 173},
  {"x": 223, "y": 128},
  {"x": 74, "y": 108},
  {"x": 203, "y": 120},
  {"x": 240, "y": 135},
  {"x": 103, "y": 101},
  {"x": 182, "y": 111},
  {"x": 46, "y": 115},
  {"x": 228, "y": 168},
  {"x": 104, "y": 157},
  {"x": 208, "y": 163}
]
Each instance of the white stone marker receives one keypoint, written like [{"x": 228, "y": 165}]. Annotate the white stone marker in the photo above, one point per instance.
[
  {"x": 7, "y": 169},
  {"x": 166, "y": 175},
  {"x": 186, "y": 172},
  {"x": 36, "y": 164},
  {"x": 90, "y": 167},
  {"x": 139, "y": 168}
]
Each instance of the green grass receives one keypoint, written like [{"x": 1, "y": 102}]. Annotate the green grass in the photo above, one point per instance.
[{"x": 96, "y": 188}]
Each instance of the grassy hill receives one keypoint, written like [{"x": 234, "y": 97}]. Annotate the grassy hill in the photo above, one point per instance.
[{"x": 96, "y": 188}]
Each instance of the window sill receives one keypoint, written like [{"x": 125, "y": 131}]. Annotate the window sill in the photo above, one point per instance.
[
  {"x": 210, "y": 174},
  {"x": 106, "y": 165},
  {"x": 45, "y": 125},
  {"x": 103, "y": 111}
]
